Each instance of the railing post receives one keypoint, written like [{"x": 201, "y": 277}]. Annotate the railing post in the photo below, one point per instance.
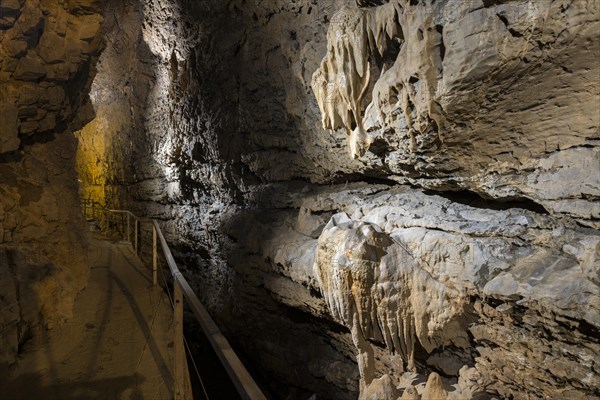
[
  {"x": 93, "y": 211},
  {"x": 154, "y": 256},
  {"x": 135, "y": 238},
  {"x": 106, "y": 223},
  {"x": 179, "y": 364},
  {"x": 128, "y": 228}
]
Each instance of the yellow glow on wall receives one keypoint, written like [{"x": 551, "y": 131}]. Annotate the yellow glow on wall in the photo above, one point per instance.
[{"x": 91, "y": 160}]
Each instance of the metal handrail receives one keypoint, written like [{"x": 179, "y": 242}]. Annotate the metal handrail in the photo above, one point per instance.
[{"x": 239, "y": 375}]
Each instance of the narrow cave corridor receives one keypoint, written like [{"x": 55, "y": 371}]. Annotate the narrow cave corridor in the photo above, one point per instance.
[{"x": 299, "y": 199}]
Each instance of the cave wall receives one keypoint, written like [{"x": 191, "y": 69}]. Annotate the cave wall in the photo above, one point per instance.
[
  {"x": 124, "y": 77},
  {"x": 168, "y": 147},
  {"x": 47, "y": 52},
  {"x": 471, "y": 247}
]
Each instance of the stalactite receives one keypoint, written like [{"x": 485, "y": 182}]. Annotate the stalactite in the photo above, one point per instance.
[
  {"x": 358, "y": 38},
  {"x": 341, "y": 82},
  {"x": 374, "y": 286}
]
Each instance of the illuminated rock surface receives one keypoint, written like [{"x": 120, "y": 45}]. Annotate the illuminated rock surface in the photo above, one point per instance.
[
  {"x": 443, "y": 285},
  {"x": 469, "y": 96}
]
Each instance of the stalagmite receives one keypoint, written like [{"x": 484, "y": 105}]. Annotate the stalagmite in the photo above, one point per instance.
[{"x": 434, "y": 389}]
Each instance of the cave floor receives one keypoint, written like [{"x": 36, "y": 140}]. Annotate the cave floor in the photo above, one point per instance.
[{"x": 118, "y": 344}]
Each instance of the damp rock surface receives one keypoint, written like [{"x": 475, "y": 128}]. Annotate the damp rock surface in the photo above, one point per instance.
[{"x": 463, "y": 95}]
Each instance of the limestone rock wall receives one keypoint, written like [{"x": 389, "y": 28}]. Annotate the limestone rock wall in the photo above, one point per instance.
[
  {"x": 220, "y": 128},
  {"x": 47, "y": 55},
  {"x": 471, "y": 95},
  {"x": 125, "y": 73},
  {"x": 425, "y": 283}
]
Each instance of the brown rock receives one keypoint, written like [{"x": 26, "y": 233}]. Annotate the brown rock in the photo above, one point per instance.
[
  {"x": 28, "y": 127},
  {"x": 58, "y": 72},
  {"x": 9, "y": 11},
  {"x": 58, "y": 23},
  {"x": 48, "y": 122},
  {"x": 9, "y": 139},
  {"x": 89, "y": 28},
  {"x": 28, "y": 94},
  {"x": 9, "y": 65},
  {"x": 7, "y": 22},
  {"x": 10, "y": 6},
  {"x": 29, "y": 112},
  {"x": 9, "y": 339},
  {"x": 83, "y": 7},
  {"x": 55, "y": 96},
  {"x": 30, "y": 68},
  {"x": 52, "y": 48},
  {"x": 16, "y": 48},
  {"x": 434, "y": 388},
  {"x": 31, "y": 21}
]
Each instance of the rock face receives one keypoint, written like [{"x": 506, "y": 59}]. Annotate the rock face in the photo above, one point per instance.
[
  {"x": 125, "y": 74},
  {"x": 468, "y": 257},
  {"x": 467, "y": 94},
  {"x": 498, "y": 306},
  {"x": 47, "y": 53},
  {"x": 489, "y": 281}
]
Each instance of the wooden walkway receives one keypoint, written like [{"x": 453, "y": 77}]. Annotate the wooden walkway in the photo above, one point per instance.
[{"x": 119, "y": 344}]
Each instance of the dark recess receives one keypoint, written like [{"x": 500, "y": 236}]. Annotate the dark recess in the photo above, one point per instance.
[
  {"x": 214, "y": 377},
  {"x": 473, "y": 199},
  {"x": 355, "y": 178},
  {"x": 513, "y": 32},
  {"x": 440, "y": 30},
  {"x": 491, "y": 3}
]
